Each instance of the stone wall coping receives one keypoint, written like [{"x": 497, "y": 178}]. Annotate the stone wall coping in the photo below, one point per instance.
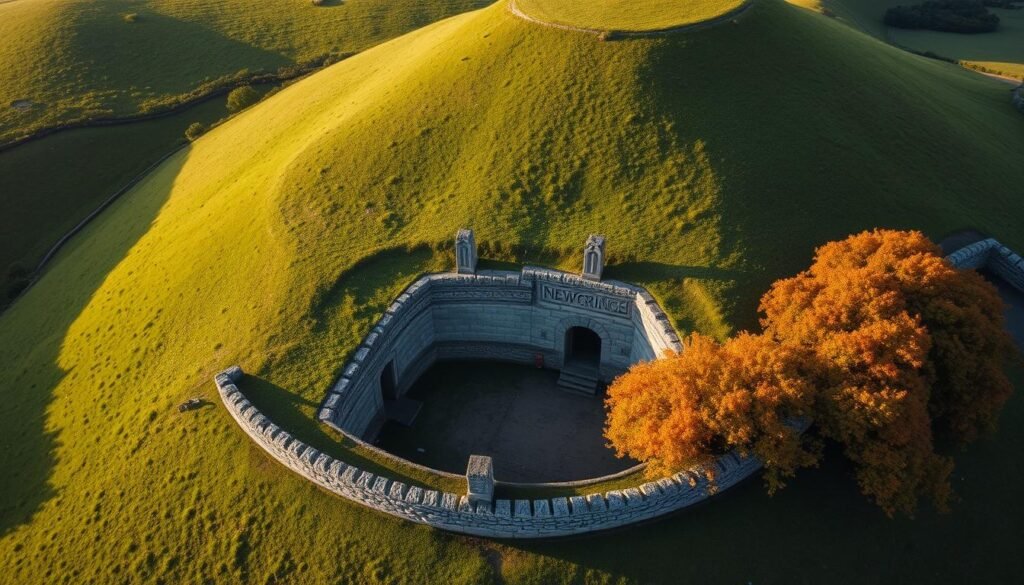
[{"x": 536, "y": 518}]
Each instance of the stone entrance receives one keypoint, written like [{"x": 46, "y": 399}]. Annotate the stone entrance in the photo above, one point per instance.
[{"x": 581, "y": 367}]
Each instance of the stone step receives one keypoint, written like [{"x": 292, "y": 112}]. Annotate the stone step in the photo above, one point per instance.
[{"x": 585, "y": 382}]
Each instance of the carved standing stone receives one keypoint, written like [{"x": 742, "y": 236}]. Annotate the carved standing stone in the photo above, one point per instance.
[
  {"x": 465, "y": 252},
  {"x": 480, "y": 479},
  {"x": 593, "y": 257}
]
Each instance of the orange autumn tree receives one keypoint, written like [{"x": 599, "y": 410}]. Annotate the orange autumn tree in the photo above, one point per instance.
[
  {"x": 882, "y": 343},
  {"x": 748, "y": 394},
  {"x": 909, "y": 346}
]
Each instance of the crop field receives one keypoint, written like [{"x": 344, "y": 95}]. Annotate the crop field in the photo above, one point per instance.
[{"x": 713, "y": 161}]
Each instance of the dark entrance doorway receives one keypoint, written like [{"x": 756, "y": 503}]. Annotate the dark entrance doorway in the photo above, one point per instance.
[
  {"x": 582, "y": 346},
  {"x": 581, "y": 370},
  {"x": 388, "y": 387}
]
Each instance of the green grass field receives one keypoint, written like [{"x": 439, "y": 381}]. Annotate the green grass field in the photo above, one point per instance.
[
  {"x": 99, "y": 64},
  {"x": 275, "y": 240},
  {"x": 626, "y": 15},
  {"x": 1001, "y": 52},
  {"x": 49, "y": 185}
]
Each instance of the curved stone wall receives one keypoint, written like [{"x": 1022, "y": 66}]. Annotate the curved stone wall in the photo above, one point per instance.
[
  {"x": 520, "y": 317},
  {"x": 560, "y": 516},
  {"x": 503, "y": 518},
  {"x": 991, "y": 255}
]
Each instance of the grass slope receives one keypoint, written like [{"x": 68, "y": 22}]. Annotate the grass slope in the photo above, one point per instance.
[
  {"x": 1001, "y": 52},
  {"x": 49, "y": 185},
  {"x": 99, "y": 64},
  {"x": 713, "y": 161},
  {"x": 626, "y": 15}
]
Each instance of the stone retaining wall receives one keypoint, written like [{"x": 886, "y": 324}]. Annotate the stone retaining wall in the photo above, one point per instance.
[
  {"x": 538, "y": 518},
  {"x": 510, "y": 316},
  {"x": 991, "y": 255}
]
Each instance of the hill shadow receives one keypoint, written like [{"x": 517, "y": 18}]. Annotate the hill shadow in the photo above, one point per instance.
[
  {"x": 48, "y": 311},
  {"x": 285, "y": 408}
]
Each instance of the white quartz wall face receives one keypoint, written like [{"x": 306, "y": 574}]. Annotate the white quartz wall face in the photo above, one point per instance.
[
  {"x": 502, "y": 518},
  {"x": 498, "y": 315}
]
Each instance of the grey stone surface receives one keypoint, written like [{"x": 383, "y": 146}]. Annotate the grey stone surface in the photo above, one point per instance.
[
  {"x": 499, "y": 315},
  {"x": 593, "y": 257},
  {"x": 465, "y": 252},
  {"x": 480, "y": 479}
]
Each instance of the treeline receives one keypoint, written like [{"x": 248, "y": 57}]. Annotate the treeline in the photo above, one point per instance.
[{"x": 959, "y": 16}]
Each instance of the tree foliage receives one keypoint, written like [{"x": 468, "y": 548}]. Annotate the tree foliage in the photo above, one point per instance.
[
  {"x": 748, "y": 394},
  {"x": 958, "y": 16},
  {"x": 241, "y": 98},
  {"x": 888, "y": 348}
]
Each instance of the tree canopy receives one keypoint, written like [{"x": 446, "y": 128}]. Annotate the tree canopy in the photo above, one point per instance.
[{"x": 888, "y": 348}]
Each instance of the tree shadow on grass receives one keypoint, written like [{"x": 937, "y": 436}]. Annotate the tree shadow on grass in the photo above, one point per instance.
[
  {"x": 32, "y": 334},
  {"x": 653, "y": 271}
]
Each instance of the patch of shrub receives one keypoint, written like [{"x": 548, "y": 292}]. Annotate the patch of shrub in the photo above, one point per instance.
[
  {"x": 131, "y": 17},
  {"x": 241, "y": 98},
  {"x": 194, "y": 131},
  {"x": 959, "y": 16}
]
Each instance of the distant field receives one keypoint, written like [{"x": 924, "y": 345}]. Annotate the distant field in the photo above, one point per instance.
[
  {"x": 276, "y": 240},
  {"x": 1001, "y": 52},
  {"x": 66, "y": 60},
  {"x": 626, "y": 15}
]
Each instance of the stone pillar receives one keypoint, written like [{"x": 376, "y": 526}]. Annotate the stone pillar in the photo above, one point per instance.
[
  {"x": 465, "y": 252},
  {"x": 593, "y": 257},
  {"x": 480, "y": 479}
]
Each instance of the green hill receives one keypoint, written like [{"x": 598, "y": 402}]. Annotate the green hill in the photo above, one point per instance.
[
  {"x": 106, "y": 58},
  {"x": 714, "y": 162}
]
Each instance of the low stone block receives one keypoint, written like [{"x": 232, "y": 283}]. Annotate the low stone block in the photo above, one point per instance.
[
  {"x": 449, "y": 501},
  {"x": 597, "y": 503},
  {"x": 325, "y": 414},
  {"x": 380, "y": 485},
  {"x": 668, "y": 486},
  {"x": 541, "y": 509},
  {"x": 483, "y": 508},
  {"x": 523, "y": 509},
  {"x": 336, "y": 468},
  {"x": 633, "y": 496},
  {"x": 615, "y": 499},
  {"x": 351, "y": 475},
  {"x": 432, "y": 498},
  {"x": 650, "y": 489},
  {"x": 503, "y": 508},
  {"x": 578, "y": 505},
  {"x": 397, "y": 491},
  {"x": 366, "y": 480},
  {"x": 234, "y": 373},
  {"x": 465, "y": 505},
  {"x": 321, "y": 462},
  {"x": 560, "y": 506},
  {"x": 414, "y": 495}
]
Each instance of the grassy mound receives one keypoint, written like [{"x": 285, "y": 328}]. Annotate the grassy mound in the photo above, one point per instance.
[
  {"x": 626, "y": 15},
  {"x": 120, "y": 57},
  {"x": 276, "y": 239}
]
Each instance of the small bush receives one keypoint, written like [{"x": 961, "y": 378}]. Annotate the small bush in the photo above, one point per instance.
[
  {"x": 959, "y": 16},
  {"x": 241, "y": 98},
  {"x": 131, "y": 17},
  {"x": 194, "y": 131}
]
